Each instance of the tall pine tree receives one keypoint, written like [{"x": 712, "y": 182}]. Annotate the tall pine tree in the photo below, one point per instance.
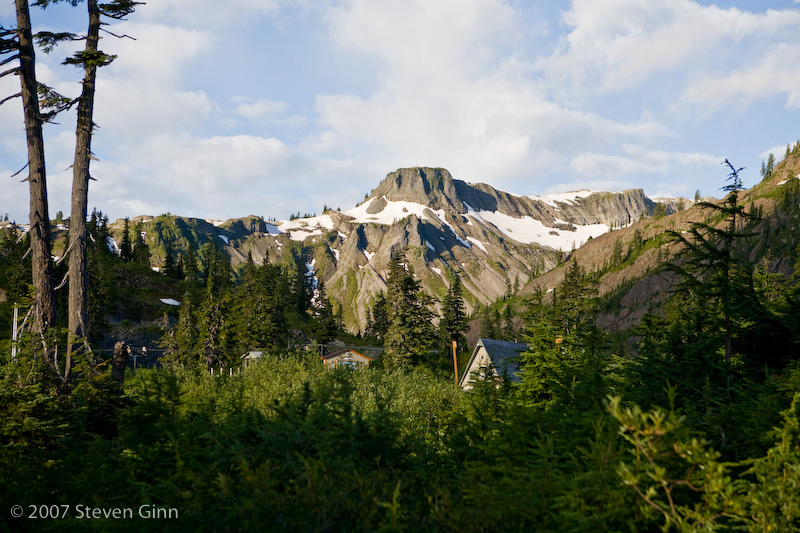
[{"x": 410, "y": 334}]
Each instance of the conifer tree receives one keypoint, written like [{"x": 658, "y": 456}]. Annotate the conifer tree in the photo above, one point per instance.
[
  {"x": 711, "y": 268},
  {"x": 217, "y": 272},
  {"x": 213, "y": 325},
  {"x": 190, "y": 271},
  {"x": 509, "y": 332},
  {"x": 186, "y": 336},
  {"x": 90, "y": 58},
  {"x": 125, "y": 248},
  {"x": 543, "y": 364},
  {"x": 19, "y": 42},
  {"x": 616, "y": 254},
  {"x": 490, "y": 323},
  {"x": 141, "y": 251},
  {"x": 410, "y": 334},
  {"x": 98, "y": 233},
  {"x": 170, "y": 266},
  {"x": 576, "y": 301},
  {"x": 379, "y": 318},
  {"x": 453, "y": 324},
  {"x": 323, "y": 322},
  {"x": 258, "y": 307}
]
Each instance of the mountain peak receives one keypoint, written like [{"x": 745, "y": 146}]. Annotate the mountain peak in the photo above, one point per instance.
[{"x": 429, "y": 186}]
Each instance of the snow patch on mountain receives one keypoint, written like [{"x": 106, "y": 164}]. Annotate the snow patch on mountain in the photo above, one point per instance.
[
  {"x": 112, "y": 245},
  {"x": 528, "y": 230},
  {"x": 478, "y": 243},
  {"x": 391, "y": 213},
  {"x": 564, "y": 197},
  {"x": 311, "y": 274},
  {"x": 302, "y": 228}
]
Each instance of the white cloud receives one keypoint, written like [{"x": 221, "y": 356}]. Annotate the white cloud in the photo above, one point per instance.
[
  {"x": 158, "y": 52},
  {"x": 777, "y": 151},
  {"x": 777, "y": 73},
  {"x": 265, "y": 111},
  {"x": 207, "y": 13},
  {"x": 202, "y": 166},
  {"x": 453, "y": 94},
  {"x": 616, "y": 45},
  {"x": 427, "y": 38},
  {"x": 11, "y": 120},
  {"x": 221, "y": 177},
  {"x": 638, "y": 161},
  {"x": 142, "y": 92},
  {"x": 259, "y": 109}
]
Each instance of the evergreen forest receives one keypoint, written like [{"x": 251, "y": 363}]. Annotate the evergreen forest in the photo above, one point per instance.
[
  {"x": 684, "y": 419},
  {"x": 688, "y": 422}
]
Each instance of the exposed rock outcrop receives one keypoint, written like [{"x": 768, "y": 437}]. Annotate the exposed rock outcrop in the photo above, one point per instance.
[{"x": 493, "y": 240}]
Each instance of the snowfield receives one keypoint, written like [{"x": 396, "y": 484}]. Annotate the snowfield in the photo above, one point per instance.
[
  {"x": 526, "y": 230},
  {"x": 303, "y": 228}
]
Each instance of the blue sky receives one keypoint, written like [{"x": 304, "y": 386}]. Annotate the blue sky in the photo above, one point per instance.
[{"x": 269, "y": 107}]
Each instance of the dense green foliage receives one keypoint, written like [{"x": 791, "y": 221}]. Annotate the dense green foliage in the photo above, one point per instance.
[{"x": 696, "y": 429}]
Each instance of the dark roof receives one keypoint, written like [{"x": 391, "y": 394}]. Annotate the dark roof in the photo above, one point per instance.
[{"x": 504, "y": 356}]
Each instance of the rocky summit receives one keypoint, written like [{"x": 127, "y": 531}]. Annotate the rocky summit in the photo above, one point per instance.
[{"x": 494, "y": 241}]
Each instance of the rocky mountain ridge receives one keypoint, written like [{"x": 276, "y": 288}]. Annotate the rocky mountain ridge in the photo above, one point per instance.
[{"x": 493, "y": 240}]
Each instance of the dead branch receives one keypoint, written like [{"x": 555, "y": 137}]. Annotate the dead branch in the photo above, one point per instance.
[
  {"x": 9, "y": 59},
  {"x": 63, "y": 282},
  {"x": 25, "y": 320},
  {"x": 20, "y": 170},
  {"x": 26, "y": 253},
  {"x": 66, "y": 253},
  {"x": 9, "y": 71},
  {"x": 7, "y": 98},
  {"x": 124, "y": 36}
]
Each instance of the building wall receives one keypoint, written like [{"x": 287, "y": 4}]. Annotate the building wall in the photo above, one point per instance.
[{"x": 481, "y": 360}]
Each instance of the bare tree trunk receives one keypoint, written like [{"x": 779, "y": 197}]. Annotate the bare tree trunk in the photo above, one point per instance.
[
  {"x": 78, "y": 317},
  {"x": 119, "y": 360},
  {"x": 45, "y": 312}
]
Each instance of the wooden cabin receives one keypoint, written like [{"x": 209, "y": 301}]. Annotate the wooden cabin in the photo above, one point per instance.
[
  {"x": 251, "y": 357},
  {"x": 349, "y": 358}
]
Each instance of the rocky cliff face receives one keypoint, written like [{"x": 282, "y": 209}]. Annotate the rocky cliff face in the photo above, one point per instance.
[{"x": 493, "y": 240}]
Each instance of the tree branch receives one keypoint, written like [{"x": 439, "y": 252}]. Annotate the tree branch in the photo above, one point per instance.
[
  {"x": 66, "y": 253},
  {"x": 123, "y": 36},
  {"x": 6, "y": 99},
  {"x": 20, "y": 170},
  {"x": 9, "y": 59},
  {"x": 11, "y": 71},
  {"x": 63, "y": 282},
  {"x": 6, "y": 33}
]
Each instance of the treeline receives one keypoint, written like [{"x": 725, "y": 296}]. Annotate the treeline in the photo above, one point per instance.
[
  {"x": 222, "y": 313},
  {"x": 693, "y": 427},
  {"x": 219, "y": 320},
  {"x": 403, "y": 319}
]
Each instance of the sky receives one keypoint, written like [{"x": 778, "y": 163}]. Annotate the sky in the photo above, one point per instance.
[{"x": 221, "y": 110}]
